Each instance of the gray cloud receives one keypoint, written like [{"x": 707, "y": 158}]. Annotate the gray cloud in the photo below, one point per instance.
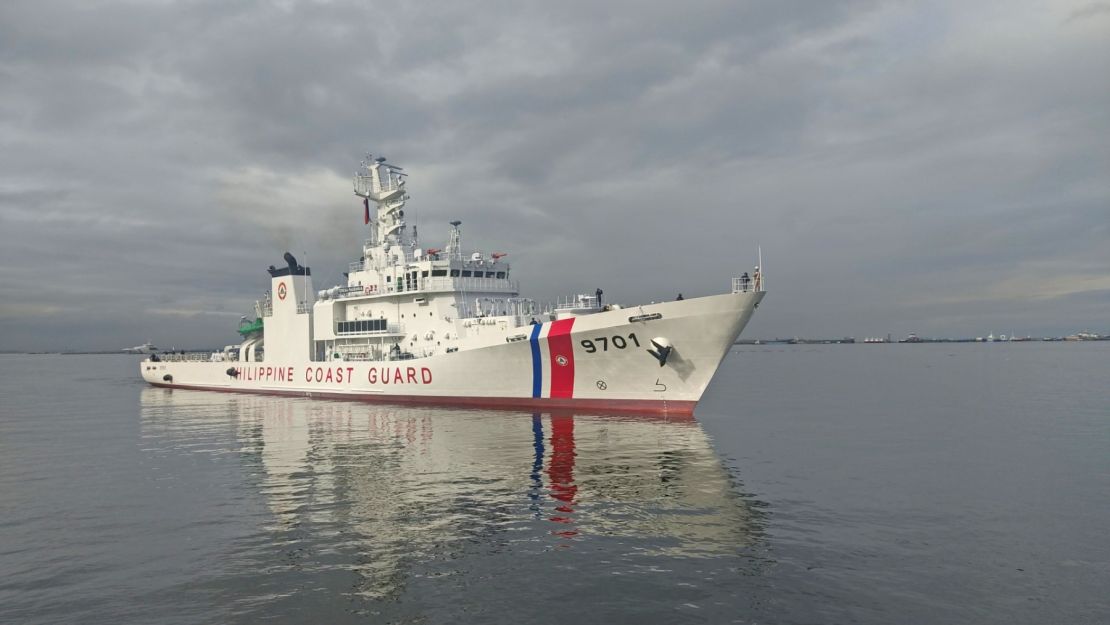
[
  {"x": 936, "y": 167},
  {"x": 1094, "y": 9}
]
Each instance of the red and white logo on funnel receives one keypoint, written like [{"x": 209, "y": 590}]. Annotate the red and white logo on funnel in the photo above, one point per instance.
[
  {"x": 281, "y": 291},
  {"x": 562, "y": 360}
]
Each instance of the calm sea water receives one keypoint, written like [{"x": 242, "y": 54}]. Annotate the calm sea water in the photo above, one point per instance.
[{"x": 833, "y": 484}]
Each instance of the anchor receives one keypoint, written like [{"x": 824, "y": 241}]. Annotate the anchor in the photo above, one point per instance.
[{"x": 662, "y": 349}]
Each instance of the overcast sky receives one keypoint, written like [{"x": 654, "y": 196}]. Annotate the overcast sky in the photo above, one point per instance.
[{"x": 932, "y": 167}]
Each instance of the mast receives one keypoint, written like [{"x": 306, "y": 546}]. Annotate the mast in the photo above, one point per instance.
[
  {"x": 759, "y": 260},
  {"x": 454, "y": 242},
  {"x": 383, "y": 184}
]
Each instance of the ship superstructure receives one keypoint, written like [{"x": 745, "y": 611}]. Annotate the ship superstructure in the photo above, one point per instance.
[
  {"x": 402, "y": 301},
  {"x": 441, "y": 325}
]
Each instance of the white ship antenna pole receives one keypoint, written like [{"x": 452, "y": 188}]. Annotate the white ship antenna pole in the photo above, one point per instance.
[{"x": 759, "y": 259}]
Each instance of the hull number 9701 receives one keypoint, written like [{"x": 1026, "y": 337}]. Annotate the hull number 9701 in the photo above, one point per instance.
[{"x": 618, "y": 342}]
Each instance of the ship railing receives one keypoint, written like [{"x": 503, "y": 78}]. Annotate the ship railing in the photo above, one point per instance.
[
  {"x": 478, "y": 285},
  {"x": 485, "y": 306},
  {"x": 364, "y": 184},
  {"x": 472, "y": 285},
  {"x": 355, "y": 356},
  {"x": 342, "y": 292},
  {"x": 357, "y": 291},
  {"x": 576, "y": 302},
  {"x": 461, "y": 258},
  {"x": 487, "y": 285},
  {"x": 407, "y": 252},
  {"x": 186, "y": 356},
  {"x": 351, "y": 291},
  {"x": 751, "y": 284}
]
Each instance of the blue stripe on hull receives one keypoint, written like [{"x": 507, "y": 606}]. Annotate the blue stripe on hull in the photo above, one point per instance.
[{"x": 537, "y": 366}]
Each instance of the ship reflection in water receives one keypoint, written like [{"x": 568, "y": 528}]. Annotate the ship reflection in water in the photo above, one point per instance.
[{"x": 388, "y": 495}]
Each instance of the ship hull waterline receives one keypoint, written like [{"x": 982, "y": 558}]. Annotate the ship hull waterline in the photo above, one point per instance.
[{"x": 601, "y": 362}]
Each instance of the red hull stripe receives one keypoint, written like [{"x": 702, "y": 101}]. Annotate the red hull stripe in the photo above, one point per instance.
[
  {"x": 604, "y": 406},
  {"x": 562, "y": 359}
]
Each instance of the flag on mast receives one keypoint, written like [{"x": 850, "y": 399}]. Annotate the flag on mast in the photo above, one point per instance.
[{"x": 366, "y": 210}]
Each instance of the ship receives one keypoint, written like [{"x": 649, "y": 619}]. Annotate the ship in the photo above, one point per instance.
[
  {"x": 440, "y": 326},
  {"x": 145, "y": 348}
]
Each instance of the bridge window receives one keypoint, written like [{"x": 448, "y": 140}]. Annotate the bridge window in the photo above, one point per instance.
[
  {"x": 439, "y": 273},
  {"x": 361, "y": 325}
]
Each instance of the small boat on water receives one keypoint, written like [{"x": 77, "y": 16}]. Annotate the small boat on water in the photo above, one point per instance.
[
  {"x": 145, "y": 348},
  {"x": 444, "y": 326}
]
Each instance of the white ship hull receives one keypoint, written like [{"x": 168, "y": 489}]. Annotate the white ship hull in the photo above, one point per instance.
[{"x": 599, "y": 361}]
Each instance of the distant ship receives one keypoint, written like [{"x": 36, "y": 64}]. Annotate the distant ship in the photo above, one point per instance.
[
  {"x": 440, "y": 326},
  {"x": 145, "y": 348}
]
